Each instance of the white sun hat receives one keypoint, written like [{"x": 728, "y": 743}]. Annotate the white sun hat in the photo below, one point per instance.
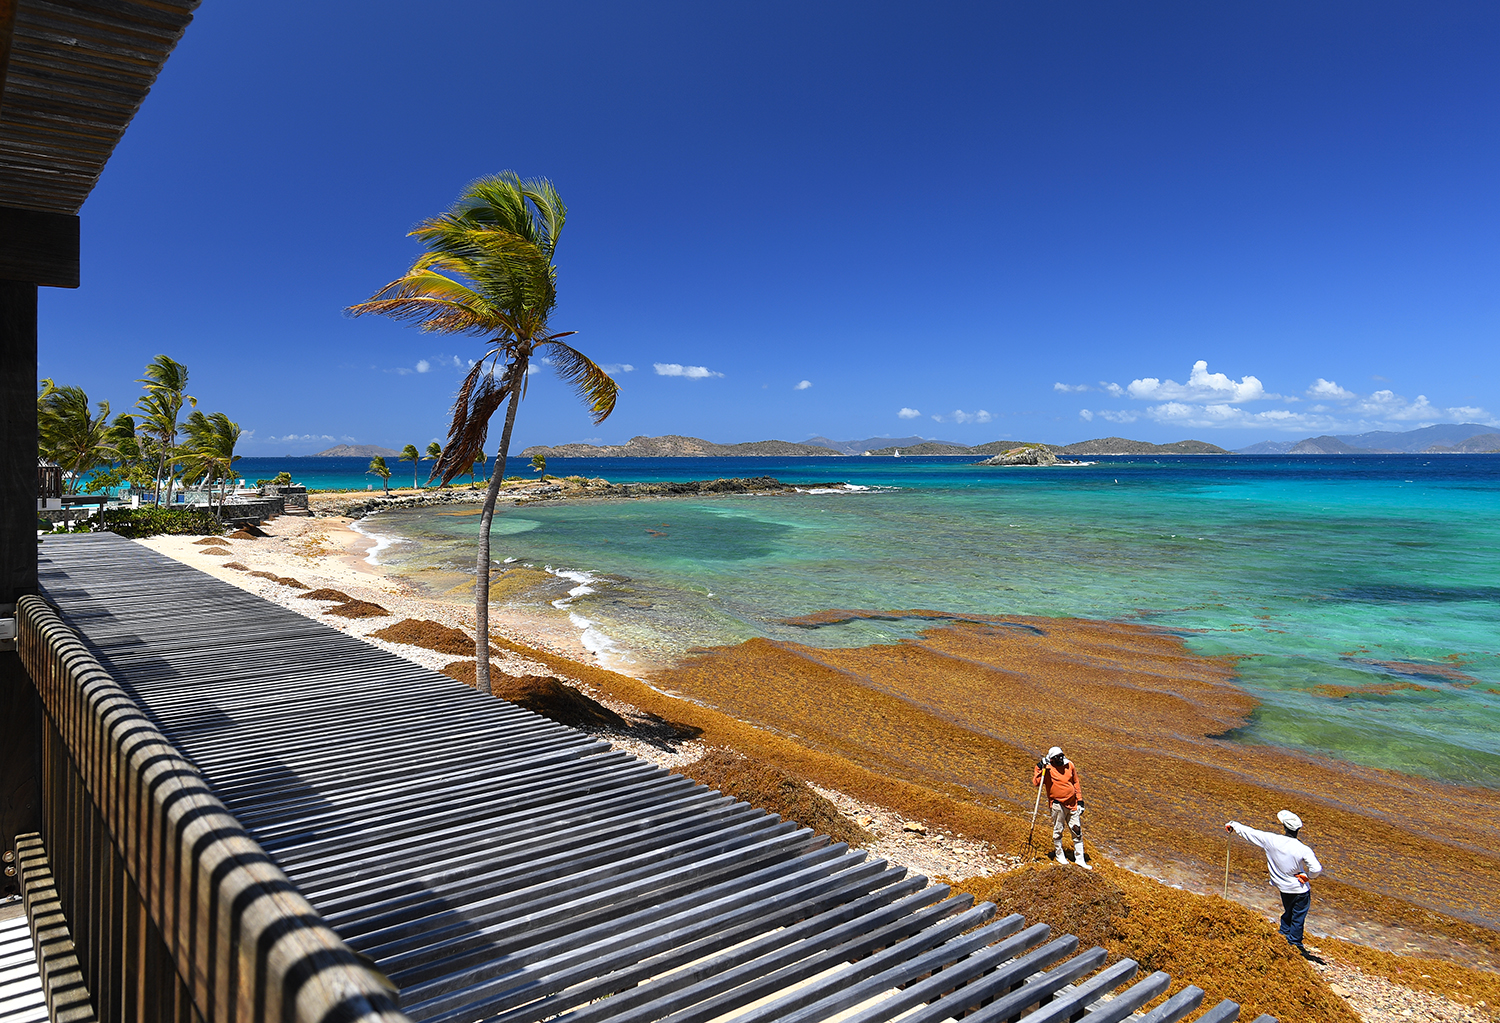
[
  {"x": 1055, "y": 751},
  {"x": 1290, "y": 819}
]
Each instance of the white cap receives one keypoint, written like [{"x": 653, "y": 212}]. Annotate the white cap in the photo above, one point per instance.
[
  {"x": 1290, "y": 819},
  {"x": 1055, "y": 751}
]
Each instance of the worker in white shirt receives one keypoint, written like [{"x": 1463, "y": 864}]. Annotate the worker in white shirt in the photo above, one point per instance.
[{"x": 1292, "y": 865}]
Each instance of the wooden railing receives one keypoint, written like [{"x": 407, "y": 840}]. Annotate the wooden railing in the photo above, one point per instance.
[{"x": 172, "y": 910}]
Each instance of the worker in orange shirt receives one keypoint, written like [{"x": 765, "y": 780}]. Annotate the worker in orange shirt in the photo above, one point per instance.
[{"x": 1059, "y": 780}]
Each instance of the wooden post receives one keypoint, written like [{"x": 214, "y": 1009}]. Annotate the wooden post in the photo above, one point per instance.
[{"x": 36, "y": 248}]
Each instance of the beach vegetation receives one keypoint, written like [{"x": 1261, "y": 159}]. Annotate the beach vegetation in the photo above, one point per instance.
[
  {"x": 410, "y": 454},
  {"x": 488, "y": 272},
  {"x": 539, "y": 464},
  {"x": 161, "y": 408},
  {"x": 209, "y": 452},
  {"x": 281, "y": 479},
  {"x": 134, "y": 523},
  {"x": 479, "y": 464},
  {"x": 379, "y": 468}
]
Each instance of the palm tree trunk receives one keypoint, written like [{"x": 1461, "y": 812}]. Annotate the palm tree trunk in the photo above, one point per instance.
[
  {"x": 161, "y": 468},
  {"x": 486, "y": 518}
]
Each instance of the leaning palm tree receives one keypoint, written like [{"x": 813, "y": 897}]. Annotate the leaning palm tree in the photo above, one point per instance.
[
  {"x": 210, "y": 451},
  {"x": 69, "y": 435},
  {"x": 412, "y": 455},
  {"x": 379, "y": 468},
  {"x": 488, "y": 272},
  {"x": 166, "y": 392}
]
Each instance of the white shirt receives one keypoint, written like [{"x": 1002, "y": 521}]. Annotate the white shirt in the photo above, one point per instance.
[{"x": 1285, "y": 856}]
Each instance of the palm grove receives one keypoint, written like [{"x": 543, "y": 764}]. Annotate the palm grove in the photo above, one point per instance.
[
  {"x": 488, "y": 272},
  {"x": 154, "y": 448}
]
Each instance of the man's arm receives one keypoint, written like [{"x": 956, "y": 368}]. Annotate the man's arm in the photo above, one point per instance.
[
  {"x": 1248, "y": 834},
  {"x": 1310, "y": 865}
]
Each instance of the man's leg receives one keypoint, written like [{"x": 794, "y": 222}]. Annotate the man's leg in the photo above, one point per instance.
[
  {"x": 1294, "y": 906},
  {"x": 1058, "y": 823},
  {"x": 1075, "y": 825}
]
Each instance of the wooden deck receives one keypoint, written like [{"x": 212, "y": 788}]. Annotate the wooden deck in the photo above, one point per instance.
[{"x": 498, "y": 866}]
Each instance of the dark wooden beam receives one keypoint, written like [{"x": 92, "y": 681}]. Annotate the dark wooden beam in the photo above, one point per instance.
[
  {"x": 38, "y": 248},
  {"x": 7, "y": 31},
  {"x": 20, "y": 722}
]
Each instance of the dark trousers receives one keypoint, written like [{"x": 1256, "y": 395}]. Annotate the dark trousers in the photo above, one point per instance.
[{"x": 1294, "y": 907}]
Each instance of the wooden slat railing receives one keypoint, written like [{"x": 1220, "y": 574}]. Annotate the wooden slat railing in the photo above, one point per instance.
[{"x": 176, "y": 912}]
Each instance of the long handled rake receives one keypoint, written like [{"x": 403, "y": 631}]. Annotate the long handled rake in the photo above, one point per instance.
[
  {"x": 1034, "y": 810},
  {"x": 1228, "y": 844}
]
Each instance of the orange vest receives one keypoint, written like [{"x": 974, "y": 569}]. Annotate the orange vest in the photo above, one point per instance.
[{"x": 1062, "y": 785}]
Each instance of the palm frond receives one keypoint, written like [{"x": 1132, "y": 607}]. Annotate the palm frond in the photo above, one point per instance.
[
  {"x": 594, "y": 386},
  {"x": 435, "y": 303},
  {"x": 478, "y": 398}
]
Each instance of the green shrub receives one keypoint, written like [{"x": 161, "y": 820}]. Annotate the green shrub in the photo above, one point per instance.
[{"x": 134, "y": 523}]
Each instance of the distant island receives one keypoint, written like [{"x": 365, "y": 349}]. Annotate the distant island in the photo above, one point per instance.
[
  {"x": 1445, "y": 438},
  {"x": 355, "y": 451},
  {"x": 674, "y": 446},
  {"x": 1442, "y": 439}
]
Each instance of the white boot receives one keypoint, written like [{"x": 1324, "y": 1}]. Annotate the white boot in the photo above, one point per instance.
[
  {"x": 1078, "y": 856},
  {"x": 1061, "y": 858}
]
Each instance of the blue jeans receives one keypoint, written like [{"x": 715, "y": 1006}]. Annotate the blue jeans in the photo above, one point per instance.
[{"x": 1294, "y": 906}]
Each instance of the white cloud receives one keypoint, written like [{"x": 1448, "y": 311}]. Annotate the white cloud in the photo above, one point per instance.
[
  {"x": 1383, "y": 410},
  {"x": 306, "y": 438},
  {"x": 908, "y": 413},
  {"x": 1325, "y": 390},
  {"x": 1117, "y": 417},
  {"x": 672, "y": 369},
  {"x": 1201, "y": 386},
  {"x": 960, "y": 416},
  {"x": 423, "y": 365},
  {"x": 1085, "y": 415},
  {"x": 618, "y": 367},
  {"x": 1070, "y": 388},
  {"x": 1114, "y": 390},
  {"x": 803, "y": 385}
]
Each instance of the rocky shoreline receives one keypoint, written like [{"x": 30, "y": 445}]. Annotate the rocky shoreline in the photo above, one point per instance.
[{"x": 356, "y": 504}]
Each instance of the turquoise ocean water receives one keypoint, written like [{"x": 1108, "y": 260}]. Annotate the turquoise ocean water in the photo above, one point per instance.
[{"x": 1333, "y": 571}]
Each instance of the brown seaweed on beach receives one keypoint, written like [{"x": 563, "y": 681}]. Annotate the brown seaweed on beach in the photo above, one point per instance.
[
  {"x": 243, "y": 534},
  {"x": 428, "y": 635},
  {"x": 543, "y": 695},
  {"x": 357, "y": 609},
  {"x": 237, "y": 566},
  {"x": 215, "y": 552},
  {"x": 768, "y": 787},
  {"x": 324, "y": 593},
  {"x": 282, "y": 579},
  {"x": 212, "y": 541}
]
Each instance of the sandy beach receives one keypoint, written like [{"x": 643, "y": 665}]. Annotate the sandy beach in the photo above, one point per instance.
[{"x": 927, "y": 744}]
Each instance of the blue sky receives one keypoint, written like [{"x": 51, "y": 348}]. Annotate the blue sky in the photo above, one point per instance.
[{"x": 972, "y": 221}]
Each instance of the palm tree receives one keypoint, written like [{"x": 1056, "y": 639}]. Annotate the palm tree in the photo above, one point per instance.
[
  {"x": 166, "y": 386},
  {"x": 210, "y": 450},
  {"x": 488, "y": 272},
  {"x": 379, "y": 468},
  {"x": 69, "y": 435},
  {"x": 412, "y": 455}
]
